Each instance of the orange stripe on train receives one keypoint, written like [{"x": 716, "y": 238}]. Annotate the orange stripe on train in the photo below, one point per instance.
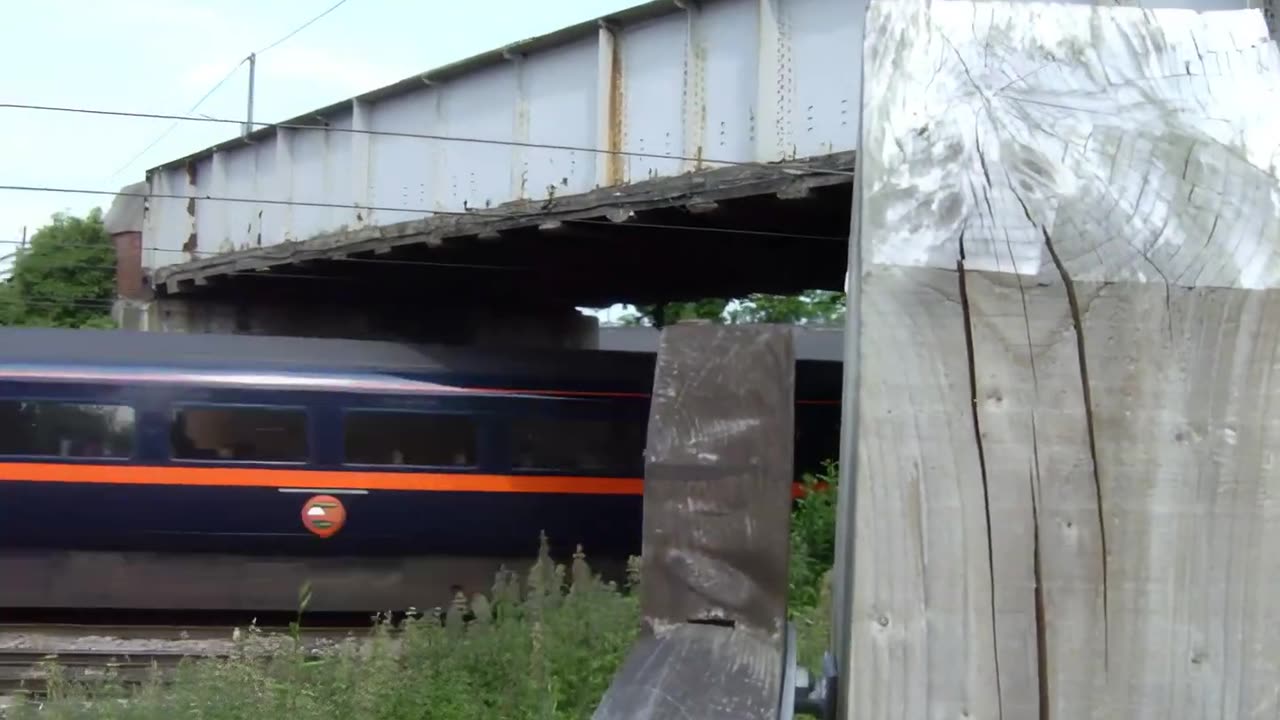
[
  {"x": 326, "y": 479},
  {"x": 322, "y": 479}
]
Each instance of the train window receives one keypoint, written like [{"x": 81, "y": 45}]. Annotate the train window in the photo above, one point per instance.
[
  {"x": 51, "y": 428},
  {"x": 578, "y": 445},
  {"x": 386, "y": 437},
  {"x": 239, "y": 433}
]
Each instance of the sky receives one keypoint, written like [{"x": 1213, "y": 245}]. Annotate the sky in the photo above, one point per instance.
[{"x": 161, "y": 56}]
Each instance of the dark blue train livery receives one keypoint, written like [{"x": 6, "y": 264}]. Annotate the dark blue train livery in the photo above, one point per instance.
[{"x": 125, "y": 442}]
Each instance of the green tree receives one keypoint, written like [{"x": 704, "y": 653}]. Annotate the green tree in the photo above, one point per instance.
[
  {"x": 65, "y": 277},
  {"x": 815, "y": 307},
  {"x": 8, "y": 302},
  {"x": 671, "y": 313}
]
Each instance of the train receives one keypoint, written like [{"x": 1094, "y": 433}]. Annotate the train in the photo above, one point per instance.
[{"x": 203, "y": 471}]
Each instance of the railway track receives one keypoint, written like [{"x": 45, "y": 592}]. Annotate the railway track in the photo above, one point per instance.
[
  {"x": 30, "y": 653},
  {"x": 126, "y": 648},
  {"x": 28, "y": 671},
  {"x": 84, "y": 632}
]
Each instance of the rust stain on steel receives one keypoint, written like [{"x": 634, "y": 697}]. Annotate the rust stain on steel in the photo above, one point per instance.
[
  {"x": 700, "y": 77},
  {"x": 521, "y": 164},
  {"x": 191, "y": 244},
  {"x": 613, "y": 161},
  {"x": 694, "y": 100}
]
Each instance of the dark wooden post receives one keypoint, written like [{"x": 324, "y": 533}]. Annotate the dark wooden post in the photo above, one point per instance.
[{"x": 718, "y": 477}]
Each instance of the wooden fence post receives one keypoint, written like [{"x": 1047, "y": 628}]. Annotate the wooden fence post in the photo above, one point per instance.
[
  {"x": 717, "y": 504},
  {"x": 1068, "y": 495}
]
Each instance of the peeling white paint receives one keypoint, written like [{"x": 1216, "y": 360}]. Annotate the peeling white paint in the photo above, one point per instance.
[{"x": 1183, "y": 123}]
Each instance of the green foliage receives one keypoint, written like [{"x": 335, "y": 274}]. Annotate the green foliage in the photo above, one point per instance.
[
  {"x": 543, "y": 646},
  {"x": 816, "y": 307},
  {"x": 813, "y": 537},
  {"x": 65, "y": 277},
  {"x": 813, "y": 550},
  {"x": 545, "y": 651},
  {"x": 671, "y": 313},
  {"x": 9, "y": 310},
  {"x": 813, "y": 626}
]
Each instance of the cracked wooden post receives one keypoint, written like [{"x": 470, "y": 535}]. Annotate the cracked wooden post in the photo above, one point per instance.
[
  {"x": 1068, "y": 504},
  {"x": 717, "y": 504}
]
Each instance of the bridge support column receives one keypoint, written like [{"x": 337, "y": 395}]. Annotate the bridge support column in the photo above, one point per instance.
[{"x": 123, "y": 222}]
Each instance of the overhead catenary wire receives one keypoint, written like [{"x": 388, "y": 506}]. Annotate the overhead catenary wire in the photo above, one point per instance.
[
  {"x": 423, "y": 211},
  {"x": 789, "y": 168},
  {"x": 301, "y": 27},
  {"x": 372, "y": 261},
  {"x": 176, "y": 121},
  {"x": 86, "y": 303},
  {"x": 94, "y": 247},
  {"x": 271, "y": 272},
  {"x": 179, "y": 118}
]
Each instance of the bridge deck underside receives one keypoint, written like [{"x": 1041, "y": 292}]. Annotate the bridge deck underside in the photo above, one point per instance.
[{"x": 724, "y": 232}]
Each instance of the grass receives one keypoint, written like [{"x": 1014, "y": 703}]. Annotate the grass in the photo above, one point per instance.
[
  {"x": 541, "y": 646},
  {"x": 545, "y": 650},
  {"x": 813, "y": 548}
]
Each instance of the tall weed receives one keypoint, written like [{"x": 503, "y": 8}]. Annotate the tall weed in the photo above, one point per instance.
[
  {"x": 813, "y": 538},
  {"x": 545, "y": 651}
]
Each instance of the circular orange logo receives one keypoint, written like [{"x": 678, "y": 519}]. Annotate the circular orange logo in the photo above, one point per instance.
[{"x": 323, "y": 515}]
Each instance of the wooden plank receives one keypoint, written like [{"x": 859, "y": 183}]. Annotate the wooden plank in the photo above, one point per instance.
[
  {"x": 716, "y": 528},
  {"x": 696, "y": 671},
  {"x": 922, "y": 604},
  {"x": 717, "y": 468},
  {"x": 1069, "y": 232},
  {"x": 1045, "y": 527},
  {"x": 1184, "y": 423}
]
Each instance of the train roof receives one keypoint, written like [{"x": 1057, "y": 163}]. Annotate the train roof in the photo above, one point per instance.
[
  {"x": 823, "y": 344},
  {"x": 99, "y": 348}
]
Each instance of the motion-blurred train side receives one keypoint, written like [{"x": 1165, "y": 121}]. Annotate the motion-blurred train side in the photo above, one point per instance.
[{"x": 126, "y": 456}]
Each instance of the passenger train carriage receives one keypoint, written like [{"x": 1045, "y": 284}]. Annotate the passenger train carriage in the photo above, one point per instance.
[{"x": 227, "y": 470}]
